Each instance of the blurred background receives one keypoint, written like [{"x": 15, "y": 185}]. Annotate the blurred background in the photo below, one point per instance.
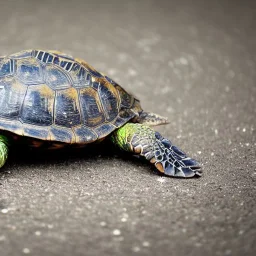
[{"x": 192, "y": 61}]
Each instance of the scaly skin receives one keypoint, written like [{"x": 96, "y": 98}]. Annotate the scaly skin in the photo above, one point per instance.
[
  {"x": 168, "y": 159},
  {"x": 123, "y": 136},
  {"x": 4, "y": 148}
]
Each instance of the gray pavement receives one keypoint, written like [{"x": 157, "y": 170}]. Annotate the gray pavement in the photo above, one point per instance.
[{"x": 193, "y": 61}]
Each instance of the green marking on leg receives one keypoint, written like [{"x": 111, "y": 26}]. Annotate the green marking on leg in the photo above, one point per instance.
[
  {"x": 4, "y": 148},
  {"x": 122, "y": 136},
  {"x": 134, "y": 137}
]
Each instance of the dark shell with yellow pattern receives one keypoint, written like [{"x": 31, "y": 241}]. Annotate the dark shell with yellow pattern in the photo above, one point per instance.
[{"x": 51, "y": 96}]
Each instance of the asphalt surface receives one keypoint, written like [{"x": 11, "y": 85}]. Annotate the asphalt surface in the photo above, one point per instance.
[{"x": 192, "y": 61}]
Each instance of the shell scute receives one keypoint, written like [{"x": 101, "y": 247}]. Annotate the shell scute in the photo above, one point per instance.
[
  {"x": 91, "y": 107},
  {"x": 56, "y": 78},
  {"x": 84, "y": 135},
  {"x": 63, "y": 135},
  {"x": 7, "y": 67},
  {"x": 108, "y": 97},
  {"x": 80, "y": 76},
  {"x": 104, "y": 129},
  {"x": 96, "y": 85},
  {"x": 52, "y": 57},
  {"x": 12, "y": 93},
  {"x": 127, "y": 99},
  {"x": 67, "y": 110},
  {"x": 37, "y": 132},
  {"x": 38, "y": 106},
  {"x": 29, "y": 71},
  {"x": 44, "y": 57},
  {"x": 11, "y": 125}
]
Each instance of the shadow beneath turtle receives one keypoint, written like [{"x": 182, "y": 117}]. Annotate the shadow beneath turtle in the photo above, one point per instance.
[{"x": 25, "y": 156}]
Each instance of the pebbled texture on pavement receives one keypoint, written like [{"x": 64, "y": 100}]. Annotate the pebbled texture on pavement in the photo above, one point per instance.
[{"x": 192, "y": 61}]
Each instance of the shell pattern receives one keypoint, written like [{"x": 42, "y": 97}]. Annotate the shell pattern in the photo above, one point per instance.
[{"x": 51, "y": 96}]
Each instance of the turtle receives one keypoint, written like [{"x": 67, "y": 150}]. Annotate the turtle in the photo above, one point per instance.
[{"x": 50, "y": 98}]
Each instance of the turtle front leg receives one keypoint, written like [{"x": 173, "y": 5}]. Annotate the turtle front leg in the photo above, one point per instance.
[
  {"x": 4, "y": 148},
  {"x": 167, "y": 158}
]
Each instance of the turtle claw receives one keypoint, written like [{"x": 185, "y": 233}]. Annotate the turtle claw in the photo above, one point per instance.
[
  {"x": 180, "y": 172},
  {"x": 197, "y": 170},
  {"x": 171, "y": 161},
  {"x": 190, "y": 162},
  {"x": 188, "y": 172},
  {"x": 178, "y": 151}
]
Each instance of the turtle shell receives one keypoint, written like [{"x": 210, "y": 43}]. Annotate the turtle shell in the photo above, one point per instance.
[{"x": 51, "y": 96}]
